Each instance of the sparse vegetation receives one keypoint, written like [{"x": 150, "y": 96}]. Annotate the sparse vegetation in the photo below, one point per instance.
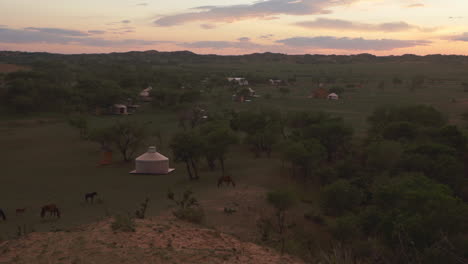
[{"x": 123, "y": 223}]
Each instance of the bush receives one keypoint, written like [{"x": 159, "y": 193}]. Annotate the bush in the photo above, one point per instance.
[
  {"x": 339, "y": 197},
  {"x": 123, "y": 223},
  {"x": 345, "y": 228},
  {"x": 192, "y": 214}
]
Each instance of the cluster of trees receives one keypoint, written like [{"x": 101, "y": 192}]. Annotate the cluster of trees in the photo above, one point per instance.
[
  {"x": 405, "y": 187},
  {"x": 209, "y": 141},
  {"x": 400, "y": 194}
]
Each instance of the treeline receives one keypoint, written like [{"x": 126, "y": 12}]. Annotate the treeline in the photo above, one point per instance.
[{"x": 397, "y": 196}]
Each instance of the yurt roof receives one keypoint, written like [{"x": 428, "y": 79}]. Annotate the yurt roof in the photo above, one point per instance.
[{"x": 152, "y": 155}]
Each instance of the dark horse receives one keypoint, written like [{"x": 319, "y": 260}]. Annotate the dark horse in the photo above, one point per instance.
[
  {"x": 20, "y": 211},
  {"x": 90, "y": 196},
  {"x": 226, "y": 179},
  {"x": 52, "y": 209},
  {"x": 2, "y": 215}
]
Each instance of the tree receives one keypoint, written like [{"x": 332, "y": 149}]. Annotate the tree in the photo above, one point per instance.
[
  {"x": 282, "y": 201},
  {"x": 263, "y": 129},
  {"x": 340, "y": 197},
  {"x": 417, "y": 82},
  {"x": 103, "y": 136},
  {"x": 217, "y": 138},
  {"x": 81, "y": 123},
  {"x": 187, "y": 147},
  {"x": 415, "y": 206},
  {"x": 333, "y": 135},
  {"x": 396, "y": 81},
  {"x": 128, "y": 136},
  {"x": 383, "y": 155},
  {"x": 381, "y": 85},
  {"x": 305, "y": 154}
]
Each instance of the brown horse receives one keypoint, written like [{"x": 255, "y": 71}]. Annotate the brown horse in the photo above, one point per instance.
[
  {"x": 20, "y": 211},
  {"x": 226, "y": 179},
  {"x": 90, "y": 196},
  {"x": 2, "y": 215},
  {"x": 52, "y": 209}
]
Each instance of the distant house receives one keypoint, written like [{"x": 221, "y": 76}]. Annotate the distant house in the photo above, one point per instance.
[
  {"x": 119, "y": 109},
  {"x": 333, "y": 96},
  {"x": 276, "y": 82},
  {"x": 152, "y": 162},
  {"x": 238, "y": 80},
  {"x": 145, "y": 95}
]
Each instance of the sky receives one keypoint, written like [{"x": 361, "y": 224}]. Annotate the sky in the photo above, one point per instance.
[{"x": 233, "y": 27}]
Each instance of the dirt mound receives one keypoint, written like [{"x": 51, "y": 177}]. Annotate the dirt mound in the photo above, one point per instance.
[{"x": 158, "y": 240}]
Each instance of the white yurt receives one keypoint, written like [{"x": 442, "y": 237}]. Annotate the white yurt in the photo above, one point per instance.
[
  {"x": 152, "y": 162},
  {"x": 333, "y": 96}
]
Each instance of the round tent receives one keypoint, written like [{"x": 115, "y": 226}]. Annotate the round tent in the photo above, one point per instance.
[{"x": 152, "y": 162}]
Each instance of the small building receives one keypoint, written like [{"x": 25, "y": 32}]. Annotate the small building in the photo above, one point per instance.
[
  {"x": 145, "y": 95},
  {"x": 333, "y": 96},
  {"x": 152, "y": 162},
  {"x": 119, "y": 109},
  {"x": 238, "y": 80}
]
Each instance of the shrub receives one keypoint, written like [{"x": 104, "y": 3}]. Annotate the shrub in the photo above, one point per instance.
[
  {"x": 345, "y": 228},
  {"x": 339, "y": 197},
  {"x": 192, "y": 214},
  {"x": 123, "y": 223}
]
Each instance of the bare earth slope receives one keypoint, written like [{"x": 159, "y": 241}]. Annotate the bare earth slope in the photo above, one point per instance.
[{"x": 159, "y": 240}]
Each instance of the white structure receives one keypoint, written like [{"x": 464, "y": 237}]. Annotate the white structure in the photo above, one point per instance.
[
  {"x": 119, "y": 109},
  {"x": 333, "y": 96},
  {"x": 275, "y": 82},
  {"x": 238, "y": 80},
  {"x": 152, "y": 162},
  {"x": 145, "y": 94}
]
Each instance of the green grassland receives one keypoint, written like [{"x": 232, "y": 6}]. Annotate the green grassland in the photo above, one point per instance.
[{"x": 44, "y": 161}]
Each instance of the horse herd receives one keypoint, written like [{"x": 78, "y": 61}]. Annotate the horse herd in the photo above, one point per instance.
[{"x": 50, "y": 210}]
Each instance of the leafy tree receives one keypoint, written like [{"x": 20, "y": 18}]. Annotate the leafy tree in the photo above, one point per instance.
[
  {"x": 418, "y": 208},
  {"x": 383, "y": 155},
  {"x": 81, "y": 123},
  {"x": 103, "y": 136},
  {"x": 282, "y": 201},
  {"x": 128, "y": 136},
  {"x": 305, "y": 154},
  {"x": 263, "y": 129},
  {"x": 340, "y": 197},
  {"x": 396, "y": 81},
  {"x": 335, "y": 136},
  {"x": 217, "y": 138},
  {"x": 187, "y": 147}
]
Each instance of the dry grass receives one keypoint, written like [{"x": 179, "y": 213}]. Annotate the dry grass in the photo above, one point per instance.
[{"x": 159, "y": 240}]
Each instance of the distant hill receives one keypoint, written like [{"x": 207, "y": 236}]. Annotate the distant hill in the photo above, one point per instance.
[{"x": 187, "y": 57}]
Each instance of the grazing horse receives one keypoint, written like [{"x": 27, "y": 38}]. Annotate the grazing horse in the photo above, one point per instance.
[
  {"x": 226, "y": 179},
  {"x": 52, "y": 209},
  {"x": 90, "y": 196},
  {"x": 2, "y": 215},
  {"x": 20, "y": 211}
]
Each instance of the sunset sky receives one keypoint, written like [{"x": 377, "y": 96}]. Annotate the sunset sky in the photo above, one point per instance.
[{"x": 381, "y": 27}]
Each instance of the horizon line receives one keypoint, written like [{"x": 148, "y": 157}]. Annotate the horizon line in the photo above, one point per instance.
[{"x": 233, "y": 55}]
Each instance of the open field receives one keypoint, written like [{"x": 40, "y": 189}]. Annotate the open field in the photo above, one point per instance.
[
  {"x": 46, "y": 162},
  {"x": 7, "y": 68}
]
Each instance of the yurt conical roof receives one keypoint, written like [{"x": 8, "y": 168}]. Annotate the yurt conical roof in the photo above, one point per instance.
[{"x": 152, "y": 155}]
